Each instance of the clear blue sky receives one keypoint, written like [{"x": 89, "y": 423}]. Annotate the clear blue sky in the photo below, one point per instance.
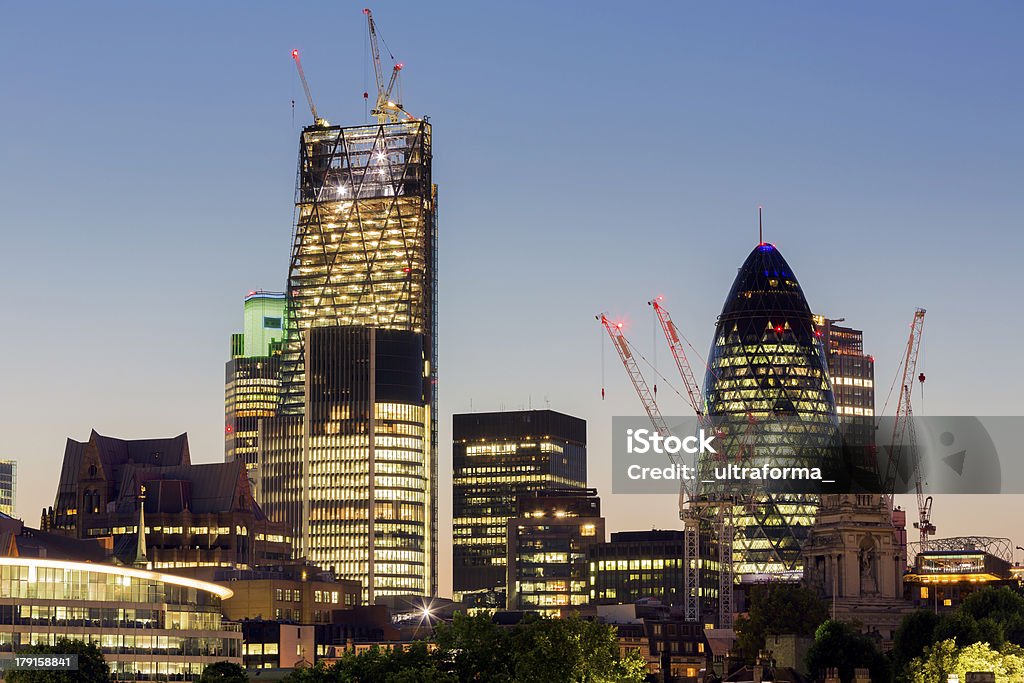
[{"x": 588, "y": 155}]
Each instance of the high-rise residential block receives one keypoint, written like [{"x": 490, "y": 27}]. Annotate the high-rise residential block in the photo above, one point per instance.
[{"x": 497, "y": 458}]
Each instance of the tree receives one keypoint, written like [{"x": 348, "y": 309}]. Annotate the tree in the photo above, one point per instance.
[
  {"x": 776, "y": 609},
  {"x": 915, "y": 633},
  {"x": 472, "y": 644},
  {"x": 92, "y": 668},
  {"x": 945, "y": 658},
  {"x": 1002, "y": 605},
  {"x": 224, "y": 672},
  {"x": 960, "y": 626},
  {"x": 475, "y": 649},
  {"x": 571, "y": 650},
  {"x": 840, "y": 645}
]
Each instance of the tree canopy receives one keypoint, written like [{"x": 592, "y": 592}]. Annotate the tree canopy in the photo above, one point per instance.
[
  {"x": 838, "y": 644},
  {"x": 224, "y": 672},
  {"x": 776, "y": 609},
  {"x": 473, "y": 648},
  {"x": 92, "y": 668},
  {"x": 945, "y": 657}
]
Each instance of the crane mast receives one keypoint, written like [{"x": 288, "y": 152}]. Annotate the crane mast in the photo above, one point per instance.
[
  {"x": 675, "y": 345},
  {"x": 724, "y": 527},
  {"x": 688, "y": 512},
  {"x": 903, "y": 432},
  {"x": 386, "y": 110}
]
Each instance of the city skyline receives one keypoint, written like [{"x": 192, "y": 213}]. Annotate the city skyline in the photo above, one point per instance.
[{"x": 889, "y": 183}]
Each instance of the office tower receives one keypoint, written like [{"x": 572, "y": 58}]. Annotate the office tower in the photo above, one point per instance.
[
  {"x": 252, "y": 377},
  {"x": 853, "y": 383},
  {"x": 8, "y": 486},
  {"x": 766, "y": 361},
  {"x": 351, "y": 461},
  {"x": 547, "y": 549},
  {"x": 496, "y": 458},
  {"x": 635, "y": 565}
]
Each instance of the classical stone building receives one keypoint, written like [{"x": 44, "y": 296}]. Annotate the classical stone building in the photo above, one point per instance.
[{"x": 854, "y": 560}]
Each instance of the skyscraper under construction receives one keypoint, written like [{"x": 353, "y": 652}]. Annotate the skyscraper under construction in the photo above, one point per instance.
[
  {"x": 351, "y": 460},
  {"x": 767, "y": 365}
]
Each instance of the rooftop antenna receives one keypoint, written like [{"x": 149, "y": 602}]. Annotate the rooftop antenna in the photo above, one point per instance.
[{"x": 760, "y": 227}]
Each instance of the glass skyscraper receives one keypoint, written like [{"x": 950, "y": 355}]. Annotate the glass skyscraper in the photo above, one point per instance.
[
  {"x": 8, "y": 486},
  {"x": 496, "y": 459},
  {"x": 767, "y": 362},
  {"x": 351, "y": 460},
  {"x": 252, "y": 378}
]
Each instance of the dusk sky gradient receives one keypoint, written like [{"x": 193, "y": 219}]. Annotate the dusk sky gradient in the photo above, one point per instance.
[{"x": 588, "y": 156}]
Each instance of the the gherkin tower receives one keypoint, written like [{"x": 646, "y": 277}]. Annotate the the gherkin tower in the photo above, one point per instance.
[{"x": 767, "y": 363}]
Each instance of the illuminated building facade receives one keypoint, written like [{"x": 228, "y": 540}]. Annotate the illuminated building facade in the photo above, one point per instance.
[
  {"x": 638, "y": 564},
  {"x": 8, "y": 486},
  {"x": 252, "y": 378},
  {"x": 296, "y": 592},
  {"x": 953, "y": 568},
  {"x": 852, "y": 373},
  {"x": 766, "y": 361},
  {"x": 150, "y": 626},
  {"x": 497, "y": 458},
  {"x": 351, "y": 461},
  {"x": 547, "y": 549}
]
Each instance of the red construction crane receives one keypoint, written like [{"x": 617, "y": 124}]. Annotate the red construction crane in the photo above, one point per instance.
[
  {"x": 903, "y": 432},
  {"x": 721, "y": 505},
  {"x": 689, "y": 514},
  {"x": 643, "y": 390}
]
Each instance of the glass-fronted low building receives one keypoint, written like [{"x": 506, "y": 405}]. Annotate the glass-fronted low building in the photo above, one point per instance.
[
  {"x": 767, "y": 363},
  {"x": 150, "y": 626},
  {"x": 638, "y": 564}
]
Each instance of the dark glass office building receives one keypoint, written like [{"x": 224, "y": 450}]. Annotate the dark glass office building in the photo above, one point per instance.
[
  {"x": 635, "y": 565},
  {"x": 498, "y": 458},
  {"x": 351, "y": 461},
  {"x": 852, "y": 373},
  {"x": 547, "y": 550},
  {"x": 768, "y": 362}
]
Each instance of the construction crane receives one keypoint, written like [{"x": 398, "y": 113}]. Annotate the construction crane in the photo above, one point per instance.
[
  {"x": 386, "y": 110},
  {"x": 675, "y": 345},
  {"x": 305, "y": 86},
  {"x": 903, "y": 432},
  {"x": 723, "y": 526},
  {"x": 689, "y": 513},
  {"x": 643, "y": 390}
]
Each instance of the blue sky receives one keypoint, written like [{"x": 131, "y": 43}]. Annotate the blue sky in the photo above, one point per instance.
[{"x": 589, "y": 155}]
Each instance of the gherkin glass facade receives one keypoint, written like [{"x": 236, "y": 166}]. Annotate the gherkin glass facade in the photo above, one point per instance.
[{"x": 767, "y": 363}]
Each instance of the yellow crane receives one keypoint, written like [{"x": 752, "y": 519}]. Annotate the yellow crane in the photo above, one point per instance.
[
  {"x": 309, "y": 95},
  {"x": 386, "y": 110}
]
